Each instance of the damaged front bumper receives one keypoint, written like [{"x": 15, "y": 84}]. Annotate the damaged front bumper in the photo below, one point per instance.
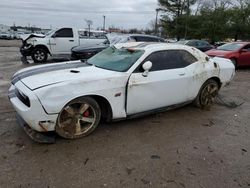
[
  {"x": 26, "y": 49},
  {"x": 31, "y": 114},
  {"x": 43, "y": 138}
]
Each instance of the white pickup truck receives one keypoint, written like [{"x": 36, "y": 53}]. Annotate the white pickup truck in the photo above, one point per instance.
[{"x": 58, "y": 43}]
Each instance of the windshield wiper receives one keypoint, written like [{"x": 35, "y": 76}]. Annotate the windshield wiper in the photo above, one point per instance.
[
  {"x": 85, "y": 61},
  {"x": 88, "y": 63}
]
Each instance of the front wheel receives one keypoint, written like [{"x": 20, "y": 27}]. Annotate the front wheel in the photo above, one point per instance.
[
  {"x": 207, "y": 94},
  {"x": 39, "y": 55},
  {"x": 78, "y": 118}
]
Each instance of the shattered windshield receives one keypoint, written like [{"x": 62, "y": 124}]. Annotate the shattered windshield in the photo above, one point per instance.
[{"x": 116, "y": 59}]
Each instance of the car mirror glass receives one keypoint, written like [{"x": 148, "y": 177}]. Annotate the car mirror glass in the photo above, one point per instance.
[
  {"x": 244, "y": 50},
  {"x": 146, "y": 67}
]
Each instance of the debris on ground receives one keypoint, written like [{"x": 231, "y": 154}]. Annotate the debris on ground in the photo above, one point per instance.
[
  {"x": 225, "y": 102},
  {"x": 129, "y": 170},
  {"x": 86, "y": 161},
  {"x": 210, "y": 124},
  {"x": 155, "y": 157},
  {"x": 146, "y": 181},
  {"x": 243, "y": 151}
]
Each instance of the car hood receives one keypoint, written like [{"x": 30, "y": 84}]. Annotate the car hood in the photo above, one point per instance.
[
  {"x": 218, "y": 53},
  {"x": 46, "y": 75},
  {"x": 83, "y": 48},
  {"x": 26, "y": 37}
]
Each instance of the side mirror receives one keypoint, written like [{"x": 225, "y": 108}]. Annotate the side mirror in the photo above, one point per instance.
[
  {"x": 244, "y": 50},
  {"x": 146, "y": 67},
  {"x": 54, "y": 35}
]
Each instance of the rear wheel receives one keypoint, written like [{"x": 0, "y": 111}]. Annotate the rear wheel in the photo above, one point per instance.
[
  {"x": 78, "y": 118},
  {"x": 39, "y": 55},
  {"x": 207, "y": 94}
]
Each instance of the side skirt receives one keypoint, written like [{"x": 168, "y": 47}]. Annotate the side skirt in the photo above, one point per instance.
[{"x": 155, "y": 111}]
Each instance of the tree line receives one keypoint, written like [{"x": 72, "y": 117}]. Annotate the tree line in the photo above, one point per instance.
[{"x": 213, "y": 20}]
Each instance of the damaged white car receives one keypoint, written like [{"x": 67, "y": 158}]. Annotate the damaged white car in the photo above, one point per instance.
[{"x": 123, "y": 81}]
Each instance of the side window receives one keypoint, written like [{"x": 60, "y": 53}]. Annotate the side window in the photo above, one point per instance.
[
  {"x": 247, "y": 47},
  {"x": 203, "y": 43},
  {"x": 171, "y": 59},
  {"x": 146, "y": 39},
  {"x": 138, "y": 39},
  {"x": 151, "y": 39},
  {"x": 64, "y": 33},
  {"x": 192, "y": 43}
]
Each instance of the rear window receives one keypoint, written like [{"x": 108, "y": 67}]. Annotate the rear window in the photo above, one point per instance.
[{"x": 147, "y": 39}]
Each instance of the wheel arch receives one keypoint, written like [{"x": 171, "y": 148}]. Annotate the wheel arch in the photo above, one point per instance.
[
  {"x": 217, "y": 79},
  {"x": 105, "y": 106},
  {"x": 43, "y": 47},
  {"x": 214, "y": 78},
  {"x": 106, "y": 109}
]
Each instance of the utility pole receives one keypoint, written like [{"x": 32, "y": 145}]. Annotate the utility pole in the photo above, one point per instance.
[
  {"x": 156, "y": 20},
  {"x": 89, "y": 23},
  {"x": 104, "y": 20}
]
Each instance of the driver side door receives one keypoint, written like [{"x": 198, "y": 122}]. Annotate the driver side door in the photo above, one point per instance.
[
  {"x": 166, "y": 84},
  {"x": 63, "y": 41},
  {"x": 244, "y": 57}
]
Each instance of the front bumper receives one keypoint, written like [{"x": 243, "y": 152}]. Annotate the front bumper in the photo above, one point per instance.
[
  {"x": 30, "y": 108},
  {"x": 26, "y": 51},
  {"x": 42, "y": 138}
]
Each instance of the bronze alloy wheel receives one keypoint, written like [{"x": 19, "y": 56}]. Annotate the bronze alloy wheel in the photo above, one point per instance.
[
  {"x": 78, "y": 118},
  {"x": 207, "y": 94}
]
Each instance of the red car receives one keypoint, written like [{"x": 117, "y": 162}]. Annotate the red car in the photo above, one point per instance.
[{"x": 238, "y": 52}]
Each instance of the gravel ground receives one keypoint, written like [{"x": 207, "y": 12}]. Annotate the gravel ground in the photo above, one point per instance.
[{"x": 183, "y": 148}]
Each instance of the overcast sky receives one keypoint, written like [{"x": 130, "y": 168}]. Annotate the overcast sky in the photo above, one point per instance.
[{"x": 57, "y": 13}]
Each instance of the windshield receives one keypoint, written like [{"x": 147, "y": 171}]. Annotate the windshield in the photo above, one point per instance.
[
  {"x": 116, "y": 59},
  {"x": 182, "y": 42},
  {"x": 231, "y": 47},
  {"x": 50, "y": 32}
]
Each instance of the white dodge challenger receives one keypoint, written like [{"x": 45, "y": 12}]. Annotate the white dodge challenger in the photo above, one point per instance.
[{"x": 123, "y": 81}]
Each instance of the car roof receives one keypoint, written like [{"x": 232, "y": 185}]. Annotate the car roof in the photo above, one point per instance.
[
  {"x": 131, "y": 35},
  {"x": 240, "y": 42},
  {"x": 151, "y": 45},
  {"x": 142, "y": 35}
]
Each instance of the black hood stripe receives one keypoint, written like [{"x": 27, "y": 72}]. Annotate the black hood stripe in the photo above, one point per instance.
[
  {"x": 51, "y": 68},
  {"x": 55, "y": 66}
]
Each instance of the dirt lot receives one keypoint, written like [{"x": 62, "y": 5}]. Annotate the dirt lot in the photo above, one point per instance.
[{"x": 183, "y": 148}]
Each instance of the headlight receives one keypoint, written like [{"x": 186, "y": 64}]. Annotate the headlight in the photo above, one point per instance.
[
  {"x": 22, "y": 97},
  {"x": 27, "y": 46}
]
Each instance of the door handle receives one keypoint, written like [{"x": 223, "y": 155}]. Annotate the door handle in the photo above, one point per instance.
[
  {"x": 71, "y": 40},
  {"x": 182, "y": 74}
]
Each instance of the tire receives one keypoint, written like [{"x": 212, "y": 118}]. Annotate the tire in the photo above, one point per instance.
[
  {"x": 207, "y": 94},
  {"x": 78, "y": 118},
  {"x": 39, "y": 55},
  {"x": 235, "y": 63}
]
